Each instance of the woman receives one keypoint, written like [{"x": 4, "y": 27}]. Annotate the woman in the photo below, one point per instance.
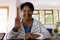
[{"x": 29, "y": 27}]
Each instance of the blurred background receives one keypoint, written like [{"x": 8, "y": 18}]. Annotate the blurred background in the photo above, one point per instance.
[{"x": 46, "y": 11}]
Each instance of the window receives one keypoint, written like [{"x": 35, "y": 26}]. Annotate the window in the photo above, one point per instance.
[
  {"x": 36, "y": 15},
  {"x": 46, "y": 16},
  {"x": 3, "y": 19}
]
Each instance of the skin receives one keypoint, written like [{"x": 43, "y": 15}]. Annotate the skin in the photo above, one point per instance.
[
  {"x": 27, "y": 19},
  {"x": 27, "y": 15}
]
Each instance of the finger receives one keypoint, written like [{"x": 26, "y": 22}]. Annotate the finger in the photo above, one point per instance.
[{"x": 17, "y": 15}]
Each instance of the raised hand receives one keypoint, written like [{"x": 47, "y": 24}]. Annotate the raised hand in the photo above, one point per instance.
[{"x": 17, "y": 22}]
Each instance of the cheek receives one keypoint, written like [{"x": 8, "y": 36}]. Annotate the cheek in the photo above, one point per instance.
[
  {"x": 24, "y": 14},
  {"x": 29, "y": 15}
]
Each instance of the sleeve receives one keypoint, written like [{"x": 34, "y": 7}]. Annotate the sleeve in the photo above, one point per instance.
[
  {"x": 12, "y": 35},
  {"x": 43, "y": 32}
]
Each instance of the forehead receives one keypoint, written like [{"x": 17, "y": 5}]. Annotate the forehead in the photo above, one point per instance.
[{"x": 26, "y": 7}]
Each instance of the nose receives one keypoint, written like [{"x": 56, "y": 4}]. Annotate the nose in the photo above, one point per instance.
[{"x": 27, "y": 12}]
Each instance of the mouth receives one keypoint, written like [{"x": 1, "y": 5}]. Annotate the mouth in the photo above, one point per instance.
[{"x": 27, "y": 16}]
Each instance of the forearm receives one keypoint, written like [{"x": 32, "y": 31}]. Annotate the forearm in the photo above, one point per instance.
[
  {"x": 35, "y": 36},
  {"x": 12, "y": 34}
]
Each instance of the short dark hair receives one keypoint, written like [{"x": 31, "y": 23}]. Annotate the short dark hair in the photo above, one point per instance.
[{"x": 27, "y": 4}]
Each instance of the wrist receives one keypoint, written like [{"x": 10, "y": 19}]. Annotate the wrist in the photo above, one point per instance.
[
  {"x": 15, "y": 29},
  {"x": 32, "y": 36}
]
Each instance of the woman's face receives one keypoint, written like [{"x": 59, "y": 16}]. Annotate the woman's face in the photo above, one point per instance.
[{"x": 27, "y": 12}]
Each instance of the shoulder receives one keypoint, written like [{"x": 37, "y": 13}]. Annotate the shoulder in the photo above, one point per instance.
[{"x": 37, "y": 22}]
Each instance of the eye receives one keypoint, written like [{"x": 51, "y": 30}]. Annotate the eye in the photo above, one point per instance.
[{"x": 24, "y": 11}]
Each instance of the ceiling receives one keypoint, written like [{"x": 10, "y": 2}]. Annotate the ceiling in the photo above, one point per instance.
[{"x": 42, "y": 3}]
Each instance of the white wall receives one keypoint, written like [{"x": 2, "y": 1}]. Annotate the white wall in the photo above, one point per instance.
[
  {"x": 43, "y": 3},
  {"x": 12, "y": 12}
]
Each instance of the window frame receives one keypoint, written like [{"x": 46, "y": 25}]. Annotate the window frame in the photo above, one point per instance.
[{"x": 47, "y": 14}]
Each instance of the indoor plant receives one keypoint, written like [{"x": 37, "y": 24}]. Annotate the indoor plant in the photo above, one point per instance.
[
  {"x": 56, "y": 30},
  {"x": 56, "y": 33}
]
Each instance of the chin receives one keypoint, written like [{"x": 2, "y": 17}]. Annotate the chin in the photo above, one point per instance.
[{"x": 27, "y": 18}]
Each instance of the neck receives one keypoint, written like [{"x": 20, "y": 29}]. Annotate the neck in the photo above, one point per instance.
[{"x": 27, "y": 20}]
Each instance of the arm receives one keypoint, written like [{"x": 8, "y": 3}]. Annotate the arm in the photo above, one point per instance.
[
  {"x": 35, "y": 36},
  {"x": 14, "y": 31},
  {"x": 12, "y": 35},
  {"x": 40, "y": 30},
  {"x": 45, "y": 33},
  {"x": 31, "y": 35}
]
